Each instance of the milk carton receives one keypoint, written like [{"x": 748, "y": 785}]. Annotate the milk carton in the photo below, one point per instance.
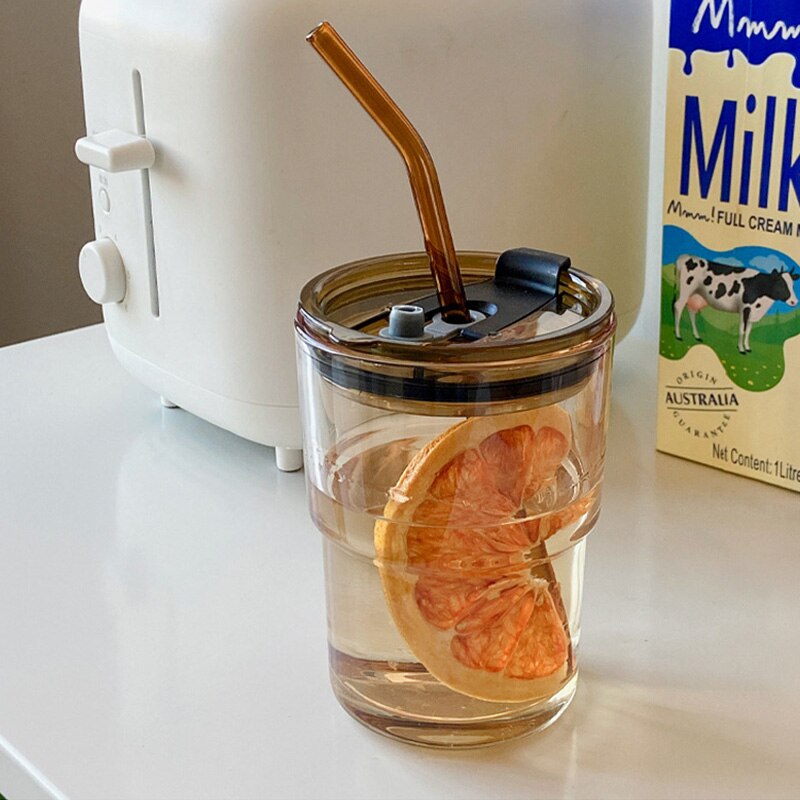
[{"x": 729, "y": 374}]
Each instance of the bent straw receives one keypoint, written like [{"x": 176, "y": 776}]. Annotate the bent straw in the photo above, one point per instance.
[{"x": 421, "y": 170}]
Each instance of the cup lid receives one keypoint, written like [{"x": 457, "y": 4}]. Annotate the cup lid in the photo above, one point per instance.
[{"x": 538, "y": 324}]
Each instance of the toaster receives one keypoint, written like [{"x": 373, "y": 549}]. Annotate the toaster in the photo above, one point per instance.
[{"x": 228, "y": 166}]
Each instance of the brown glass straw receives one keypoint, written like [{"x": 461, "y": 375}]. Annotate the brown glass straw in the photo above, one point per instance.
[{"x": 421, "y": 170}]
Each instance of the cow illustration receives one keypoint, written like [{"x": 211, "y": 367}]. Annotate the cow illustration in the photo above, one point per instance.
[{"x": 745, "y": 291}]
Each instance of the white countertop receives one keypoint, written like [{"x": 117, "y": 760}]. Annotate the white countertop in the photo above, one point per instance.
[{"x": 163, "y": 626}]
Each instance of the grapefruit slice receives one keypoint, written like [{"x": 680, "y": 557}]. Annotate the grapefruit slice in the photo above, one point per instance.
[{"x": 463, "y": 580}]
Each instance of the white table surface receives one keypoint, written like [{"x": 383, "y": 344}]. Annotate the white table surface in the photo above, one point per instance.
[{"x": 162, "y": 621}]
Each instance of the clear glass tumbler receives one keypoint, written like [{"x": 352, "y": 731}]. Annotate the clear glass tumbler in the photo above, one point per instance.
[{"x": 454, "y": 483}]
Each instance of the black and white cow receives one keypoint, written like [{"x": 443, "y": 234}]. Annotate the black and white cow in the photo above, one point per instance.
[{"x": 745, "y": 291}]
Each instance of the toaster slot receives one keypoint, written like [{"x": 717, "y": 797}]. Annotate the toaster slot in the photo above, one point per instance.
[{"x": 141, "y": 129}]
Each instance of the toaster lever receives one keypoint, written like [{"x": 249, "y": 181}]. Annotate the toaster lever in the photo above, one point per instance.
[{"x": 115, "y": 151}]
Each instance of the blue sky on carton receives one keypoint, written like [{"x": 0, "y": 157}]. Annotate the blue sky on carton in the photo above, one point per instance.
[{"x": 678, "y": 242}]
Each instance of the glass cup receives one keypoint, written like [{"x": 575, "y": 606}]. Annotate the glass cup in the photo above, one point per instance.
[{"x": 454, "y": 484}]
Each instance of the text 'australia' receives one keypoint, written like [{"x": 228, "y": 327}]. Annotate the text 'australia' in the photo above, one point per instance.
[{"x": 701, "y": 399}]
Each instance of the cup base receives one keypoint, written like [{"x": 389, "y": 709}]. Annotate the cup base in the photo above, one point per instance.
[{"x": 371, "y": 691}]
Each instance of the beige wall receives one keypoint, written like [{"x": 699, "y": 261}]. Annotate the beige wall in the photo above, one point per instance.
[{"x": 45, "y": 210}]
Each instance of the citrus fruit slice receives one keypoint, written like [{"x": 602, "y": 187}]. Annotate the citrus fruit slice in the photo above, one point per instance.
[{"x": 465, "y": 582}]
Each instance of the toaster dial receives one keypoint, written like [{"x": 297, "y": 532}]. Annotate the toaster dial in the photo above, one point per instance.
[{"x": 102, "y": 271}]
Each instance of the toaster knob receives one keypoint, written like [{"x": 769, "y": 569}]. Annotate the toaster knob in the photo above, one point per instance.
[{"x": 102, "y": 271}]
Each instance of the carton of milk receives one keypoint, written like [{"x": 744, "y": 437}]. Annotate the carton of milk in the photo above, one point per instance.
[{"x": 729, "y": 366}]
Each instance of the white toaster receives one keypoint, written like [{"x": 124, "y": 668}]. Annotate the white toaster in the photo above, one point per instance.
[{"x": 228, "y": 166}]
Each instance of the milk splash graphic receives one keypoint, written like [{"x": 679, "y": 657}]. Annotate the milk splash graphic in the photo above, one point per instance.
[{"x": 714, "y": 26}]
